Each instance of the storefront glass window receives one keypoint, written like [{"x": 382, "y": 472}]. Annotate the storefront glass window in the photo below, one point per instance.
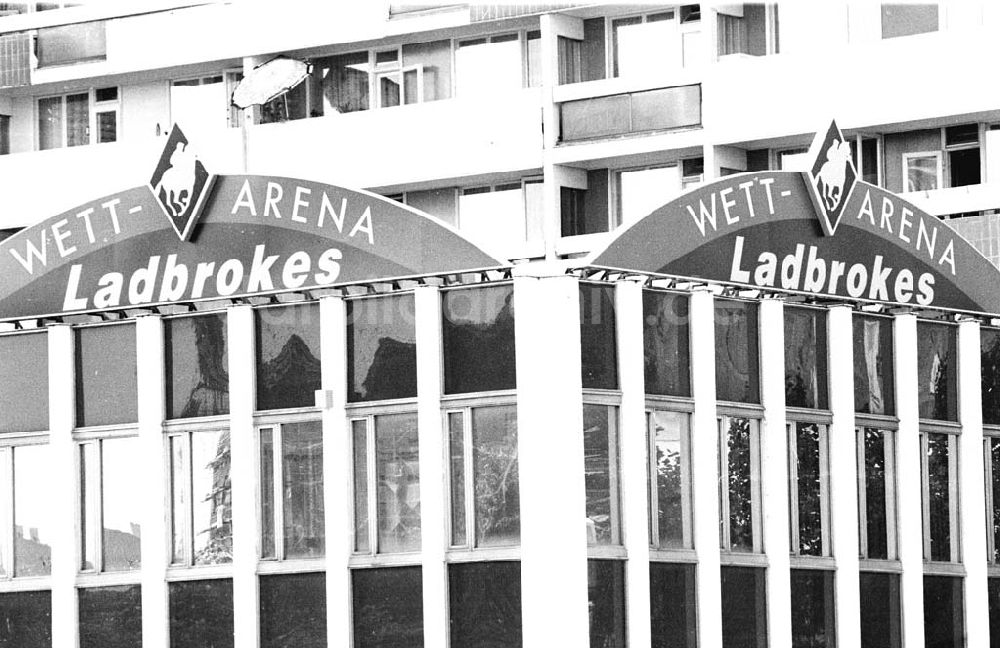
[
  {"x": 990, "y": 367},
  {"x": 110, "y": 617},
  {"x": 874, "y": 389},
  {"x": 737, "y": 377},
  {"x": 201, "y": 496},
  {"x": 388, "y": 607},
  {"x": 197, "y": 378},
  {"x": 293, "y": 611},
  {"x": 32, "y": 507},
  {"x": 877, "y": 496},
  {"x": 740, "y": 510},
  {"x": 201, "y": 613},
  {"x": 598, "y": 343},
  {"x": 666, "y": 343},
  {"x": 744, "y": 601},
  {"x": 292, "y": 490},
  {"x": 805, "y": 358},
  {"x": 670, "y": 480},
  {"x": 812, "y": 608},
  {"x": 672, "y": 605},
  {"x": 606, "y": 598},
  {"x": 382, "y": 349},
  {"x": 600, "y": 447},
  {"x": 808, "y": 488},
  {"x": 26, "y": 619},
  {"x": 485, "y": 604},
  {"x": 994, "y": 596},
  {"x": 944, "y": 604},
  {"x": 880, "y": 610},
  {"x": 937, "y": 371},
  {"x": 993, "y": 494},
  {"x": 24, "y": 374},
  {"x": 940, "y": 497},
  {"x": 106, "y": 382},
  {"x": 288, "y": 365},
  {"x": 478, "y": 339},
  {"x": 110, "y": 504}
]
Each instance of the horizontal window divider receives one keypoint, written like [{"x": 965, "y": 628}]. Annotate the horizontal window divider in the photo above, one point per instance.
[
  {"x": 943, "y": 427},
  {"x": 296, "y": 415},
  {"x": 473, "y": 286},
  {"x": 736, "y": 559},
  {"x": 673, "y": 555},
  {"x": 8, "y": 439},
  {"x": 483, "y": 555},
  {"x": 885, "y": 566},
  {"x": 109, "y": 579},
  {"x": 736, "y": 409},
  {"x": 199, "y": 572},
  {"x": 364, "y": 561},
  {"x": 353, "y": 298},
  {"x": 291, "y": 566},
  {"x": 105, "y": 432},
  {"x": 880, "y": 422},
  {"x": 207, "y": 423},
  {"x": 993, "y": 570},
  {"x": 812, "y": 562},
  {"x": 601, "y": 397},
  {"x": 670, "y": 403},
  {"x": 943, "y": 569},
  {"x": 402, "y": 405},
  {"x": 991, "y": 430},
  {"x": 607, "y": 552},
  {"x": 479, "y": 399},
  {"x": 798, "y": 415},
  {"x": 26, "y": 584}
]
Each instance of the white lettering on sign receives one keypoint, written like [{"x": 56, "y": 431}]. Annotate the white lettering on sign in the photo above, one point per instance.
[
  {"x": 705, "y": 214},
  {"x": 924, "y": 240},
  {"x": 37, "y": 255}
]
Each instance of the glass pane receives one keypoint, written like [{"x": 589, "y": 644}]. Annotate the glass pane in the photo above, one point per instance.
[
  {"x": 485, "y": 604},
  {"x": 435, "y": 61},
  {"x": 938, "y": 484},
  {"x": 670, "y": 431},
  {"x": 601, "y": 474},
  {"x": 110, "y": 617},
  {"x": 345, "y": 82},
  {"x": 494, "y": 216},
  {"x": 672, "y": 605},
  {"x": 106, "y": 382},
  {"x": 744, "y": 624},
  {"x": 642, "y": 192},
  {"x": 397, "y": 473},
  {"x": 494, "y": 458},
  {"x": 211, "y": 498},
  {"x": 667, "y": 354},
  {"x": 805, "y": 358},
  {"x": 26, "y": 619},
  {"x": 812, "y": 608},
  {"x": 89, "y": 504},
  {"x": 382, "y": 348},
  {"x": 876, "y": 464},
  {"x": 995, "y": 465},
  {"x": 293, "y": 611},
  {"x": 77, "y": 119},
  {"x": 606, "y": 599},
  {"x": 908, "y": 19},
  {"x": 388, "y": 86},
  {"x": 534, "y": 46},
  {"x": 990, "y": 358},
  {"x": 808, "y": 489},
  {"x": 201, "y": 614},
  {"x": 122, "y": 503},
  {"x": 359, "y": 429},
  {"x": 267, "y": 549},
  {"x": 645, "y": 49},
  {"x": 179, "y": 499},
  {"x": 741, "y": 484},
  {"x": 937, "y": 371},
  {"x": 880, "y": 611},
  {"x": 994, "y": 596},
  {"x": 943, "y": 612},
  {"x": 197, "y": 366},
  {"x": 302, "y": 463},
  {"x": 24, "y": 374},
  {"x": 486, "y": 68},
  {"x": 199, "y": 107},
  {"x": 107, "y": 127},
  {"x": 873, "y": 371},
  {"x": 478, "y": 339},
  {"x": 736, "y": 356},
  {"x": 598, "y": 343},
  {"x": 388, "y": 608},
  {"x": 32, "y": 507},
  {"x": 288, "y": 366},
  {"x": 922, "y": 172},
  {"x": 50, "y": 123},
  {"x": 456, "y": 440}
]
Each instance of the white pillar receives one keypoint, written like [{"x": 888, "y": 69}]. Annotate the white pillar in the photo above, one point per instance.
[
  {"x": 153, "y": 546},
  {"x": 972, "y": 487},
  {"x": 705, "y": 469},
  {"x": 554, "y": 602},
  {"x": 337, "y": 469},
  {"x": 632, "y": 459},
  {"x": 65, "y": 512},
  {"x": 243, "y": 475},
  {"x": 427, "y": 313},
  {"x": 908, "y": 487},
  {"x": 774, "y": 473},
  {"x": 844, "y": 476}
]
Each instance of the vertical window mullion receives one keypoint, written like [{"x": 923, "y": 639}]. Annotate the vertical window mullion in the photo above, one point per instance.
[
  {"x": 7, "y": 512},
  {"x": 724, "y": 508},
  {"x": 889, "y": 459},
  {"x": 953, "y": 498},
  {"x": 371, "y": 463},
  {"x": 613, "y": 482},
  {"x": 98, "y": 504},
  {"x": 925, "y": 496},
  {"x": 278, "y": 491},
  {"x": 757, "y": 508},
  {"x": 824, "y": 489},
  {"x": 861, "y": 460},
  {"x": 687, "y": 522},
  {"x": 471, "y": 532},
  {"x": 990, "y": 521},
  {"x": 793, "y": 487},
  {"x": 189, "y": 500},
  {"x": 651, "y": 482}
]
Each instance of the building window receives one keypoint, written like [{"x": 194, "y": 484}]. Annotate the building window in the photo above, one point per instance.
[
  {"x": 881, "y": 621},
  {"x": 345, "y": 82},
  {"x": 202, "y": 104},
  {"x": 201, "y": 613},
  {"x": 507, "y": 214},
  {"x": 25, "y": 501},
  {"x": 877, "y": 493},
  {"x": 961, "y": 144},
  {"x": 908, "y": 19},
  {"x": 386, "y": 484},
  {"x": 24, "y": 374},
  {"x": 751, "y": 29},
  {"x": 598, "y": 339},
  {"x": 669, "y": 480},
  {"x": 601, "y": 477},
  {"x": 944, "y": 611},
  {"x": 647, "y": 45},
  {"x": 992, "y": 450},
  {"x": 110, "y": 504},
  {"x": 388, "y": 609},
  {"x": 606, "y": 603},
  {"x": 867, "y": 165},
  {"x": 106, "y": 382},
  {"x": 989, "y": 353},
  {"x": 809, "y": 489},
  {"x": 493, "y": 64},
  {"x": 937, "y": 371},
  {"x": 291, "y": 494},
  {"x": 922, "y": 171},
  {"x": 994, "y": 596},
  {"x": 805, "y": 358},
  {"x": 89, "y": 117},
  {"x": 737, "y": 376},
  {"x": 110, "y": 617},
  {"x": 812, "y": 608},
  {"x": 382, "y": 348},
  {"x": 485, "y": 604},
  {"x": 874, "y": 387},
  {"x": 293, "y": 611},
  {"x": 672, "y": 605},
  {"x": 641, "y": 191},
  {"x": 197, "y": 373},
  {"x": 201, "y": 521},
  {"x": 4, "y": 134},
  {"x": 478, "y": 332},
  {"x": 585, "y": 211},
  {"x": 940, "y": 496},
  {"x": 26, "y": 619},
  {"x": 288, "y": 365},
  {"x": 666, "y": 343},
  {"x": 744, "y": 599},
  {"x": 740, "y": 510}
]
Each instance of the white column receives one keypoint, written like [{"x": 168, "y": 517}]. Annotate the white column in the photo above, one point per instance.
[
  {"x": 243, "y": 475},
  {"x": 554, "y": 602},
  {"x": 153, "y": 547},
  {"x": 908, "y": 488},
  {"x": 66, "y": 486},
  {"x": 632, "y": 459},
  {"x": 427, "y": 309},
  {"x": 337, "y": 469},
  {"x": 844, "y": 476},
  {"x": 705, "y": 469},
  {"x": 774, "y": 473},
  {"x": 972, "y": 485}
]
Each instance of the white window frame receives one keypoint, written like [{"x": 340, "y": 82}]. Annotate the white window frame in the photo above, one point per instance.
[
  {"x": 522, "y": 40},
  {"x": 93, "y": 107},
  {"x": 922, "y": 154},
  {"x": 793, "y": 420},
  {"x": 8, "y": 463},
  {"x": 755, "y": 557},
  {"x": 612, "y": 404},
  {"x": 495, "y": 187},
  {"x": 615, "y": 215},
  {"x": 990, "y": 435},
  {"x": 879, "y": 153},
  {"x": 954, "y": 503},
  {"x": 684, "y": 553},
  {"x": 891, "y": 517},
  {"x": 610, "y": 53},
  {"x": 980, "y": 144}
]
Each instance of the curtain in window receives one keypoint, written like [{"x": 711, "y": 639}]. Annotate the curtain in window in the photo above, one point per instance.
[
  {"x": 732, "y": 35},
  {"x": 345, "y": 83},
  {"x": 77, "y": 119}
]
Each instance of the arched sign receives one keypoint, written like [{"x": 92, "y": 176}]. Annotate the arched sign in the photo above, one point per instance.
[
  {"x": 822, "y": 232},
  {"x": 150, "y": 245}
]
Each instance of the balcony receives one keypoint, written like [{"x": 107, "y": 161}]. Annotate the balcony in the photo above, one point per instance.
[{"x": 631, "y": 113}]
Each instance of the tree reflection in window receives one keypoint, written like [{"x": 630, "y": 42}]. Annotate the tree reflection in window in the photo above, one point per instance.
[
  {"x": 740, "y": 468},
  {"x": 937, "y": 371},
  {"x": 495, "y": 470},
  {"x": 805, "y": 358},
  {"x": 601, "y": 474},
  {"x": 990, "y": 357},
  {"x": 807, "y": 489},
  {"x": 736, "y": 355},
  {"x": 382, "y": 349},
  {"x": 671, "y": 492},
  {"x": 994, "y": 447},
  {"x": 875, "y": 493},
  {"x": 939, "y": 505},
  {"x": 288, "y": 366},
  {"x": 197, "y": 366}
]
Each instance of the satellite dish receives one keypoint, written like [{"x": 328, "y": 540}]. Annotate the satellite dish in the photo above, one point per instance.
[{"x": 269, "y": 80}]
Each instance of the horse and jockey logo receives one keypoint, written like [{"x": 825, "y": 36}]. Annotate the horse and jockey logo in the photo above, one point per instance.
[
  {"x": 832, "y": 177},
  {"x": 180, "y": 183}
]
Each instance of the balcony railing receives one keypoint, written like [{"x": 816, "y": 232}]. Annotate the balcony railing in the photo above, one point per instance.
[{"x": 631, "y": 112}]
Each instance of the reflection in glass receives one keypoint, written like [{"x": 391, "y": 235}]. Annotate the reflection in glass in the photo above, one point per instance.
[
  {"x": 808, "y": 488},
  {"x": 268, "y": 547},
  {"x": 805, "y": 358},
  {"x": 90, "y": 466},
  {"x": 302, "y": 467},
  {"x": 672, "y": 496},
  {"x": 598, "y": 343},
  {"x": 26, "y": 619},
  {"x": 201, "y": 614},
  {"x": 666, "y": 344},
  {"x": 345, "y": 82},
  {"x": 600, "y": 446},
  {"x": 24, "y": 374},
  {"x": 32, "y": 507},
  {"x": 875, "y": 474},
  {"x": 995, "y": 465},
  {"x": 110, "y": 617},
  {"x": 485, "y": 604},
  {"x": 397, "y": 473},
  {"x": 873, "y": 371},
  {"x": 937, "y": 371},
  {"x": 382, "y": 348},
  {"x": 672, "y": 605},
  {"x": 179, "y": 500},
  {"x": 495, "y": 474},
  {"x": 943, "y": 612},
  {"x": 388, "y": 607},
  {"x": 990, "y": 357},
  {"x": 938, "y": 491},
  {"x": 880, "y": 611},
  {"x": 288, "y": 366},
  {"x": 478, "y": 339},
  {"x": 456, "y": 444},
  {"x": 812, "y": 608},
  {"x": 736, "y": 355},
  {"x": 293, "y": 611},
  {"x": 606, "y": 598},
  {"x": 106, "y": 382},
  {"x": 644, "y": 49},
  {"x": 197, "y": 366},
  {"x": 122, "y": 503},
  {"x": 359, "y": 429},
  {"x": 211, "y": 498},
  {"x": 741, "y": 486},
  {"x": 994, "y": 597},
  {"x": 486, "y": 66},
  {"x": 744, "y": 625}
]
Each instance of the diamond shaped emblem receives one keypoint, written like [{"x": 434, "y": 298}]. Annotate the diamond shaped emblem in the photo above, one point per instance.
[
  {"x": 832, "y": 177},
  {"x": 180, "y": 183}
]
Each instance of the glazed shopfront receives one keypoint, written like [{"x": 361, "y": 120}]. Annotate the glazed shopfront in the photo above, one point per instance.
[{"x": 262, "y": 411}]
